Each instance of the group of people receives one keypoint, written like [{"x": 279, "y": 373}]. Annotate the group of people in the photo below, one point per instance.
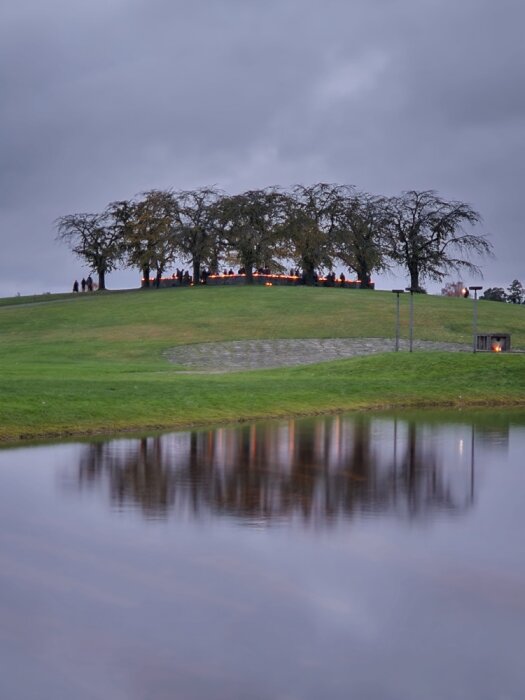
[
  {"x": 183, "y": 277},
  {"x": 329, "y": 280},
  {"x": 85, "y": 284}
]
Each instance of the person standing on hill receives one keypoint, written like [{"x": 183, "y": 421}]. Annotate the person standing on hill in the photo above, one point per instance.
[{"x": 75, "y": 286}]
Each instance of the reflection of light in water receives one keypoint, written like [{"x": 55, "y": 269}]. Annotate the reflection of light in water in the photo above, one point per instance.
[{"x": 461, "y": 447}]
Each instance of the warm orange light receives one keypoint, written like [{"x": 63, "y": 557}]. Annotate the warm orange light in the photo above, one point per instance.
[
  {"x": 496, "y": 347},
  {"x": 268, "y": 284},
  {"x": 268, "y": 276}
]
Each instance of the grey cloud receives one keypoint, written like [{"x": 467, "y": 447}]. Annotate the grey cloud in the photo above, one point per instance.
[{"x": 107, "y": 99}]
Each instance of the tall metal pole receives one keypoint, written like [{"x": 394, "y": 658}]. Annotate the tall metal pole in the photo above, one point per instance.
[
  {"x": 475, "y": 319},
  {"x": 411, "y": 328},
  {"x": 472, "y": 465},
  {"x": 475, "y": 330},
  {"x": 397, "y": 292},
  {"x": 397, "y": 325}
]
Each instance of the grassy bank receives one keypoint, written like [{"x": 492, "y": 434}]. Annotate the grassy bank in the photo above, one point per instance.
[{"x": 94, "y": 363}]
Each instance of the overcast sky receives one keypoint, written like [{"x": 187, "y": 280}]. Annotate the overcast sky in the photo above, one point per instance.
[{"x": 104, "y": 99}]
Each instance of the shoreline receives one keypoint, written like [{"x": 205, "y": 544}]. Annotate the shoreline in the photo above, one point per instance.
[{"x": 39, "y": 437}]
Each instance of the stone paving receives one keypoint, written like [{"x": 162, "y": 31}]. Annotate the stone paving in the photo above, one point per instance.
[{"x": 261, "y": 354}]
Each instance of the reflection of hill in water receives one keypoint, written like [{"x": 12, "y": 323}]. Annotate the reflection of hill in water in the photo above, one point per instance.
[{"x": 318, "y": 470}]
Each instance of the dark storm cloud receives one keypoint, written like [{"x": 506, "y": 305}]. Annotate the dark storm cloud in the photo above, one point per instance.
[{"x": 102, "y": 100}]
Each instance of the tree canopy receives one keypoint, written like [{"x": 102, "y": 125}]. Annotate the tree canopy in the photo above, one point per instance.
[
  {"x": 311, "y": 220},
  {"x": 252, "y": 229},
  {"x": 313, "y": 227},
  {"x": 426, "y": 235},
  {"x": 494, "y": 294},
  {"x": 515, "y": 292},
  {"x": 146, "y": 227},
  {"x": 197, "y": 230},
  {"x": 94, "y": 239},
  {"x": 360, "y": 235}
]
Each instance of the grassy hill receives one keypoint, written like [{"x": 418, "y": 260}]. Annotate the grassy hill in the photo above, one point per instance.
[{"x": 94, "y": 363}]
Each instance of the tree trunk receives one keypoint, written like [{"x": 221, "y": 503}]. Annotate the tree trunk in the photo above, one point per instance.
[
  {"x": 365, "y": 278},
  {"x": 145, "y": 276},
  {"x": 214, "y": 265},
  {"x": 249, "y": 274},
  {"x": 101, "y": 279},
  {"x": 196, "y": 271},
  {"x": 309, "y": 275},
  {"x": 414, "y": 278}
]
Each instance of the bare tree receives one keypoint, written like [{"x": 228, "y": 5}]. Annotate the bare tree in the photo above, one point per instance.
[
  {"x": 426, "y": 235},
  {"x": 93, "y": 239},
  {"x": 198, "y": 231},
  {"x": 311, "y": 221},
  {"x": 359, "y": 236},
  {"x": 146, "y": 227},
  {"x": 251, "y": 227}
]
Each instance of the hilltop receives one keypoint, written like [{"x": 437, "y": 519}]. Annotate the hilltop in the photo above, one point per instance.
[{"x": 85, "y": 364}]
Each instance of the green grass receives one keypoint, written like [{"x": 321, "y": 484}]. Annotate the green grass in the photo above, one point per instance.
[{"x": 84, "y": 364}]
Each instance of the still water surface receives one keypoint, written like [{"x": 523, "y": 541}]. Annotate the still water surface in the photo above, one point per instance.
[{"x": 375, "y": 558}]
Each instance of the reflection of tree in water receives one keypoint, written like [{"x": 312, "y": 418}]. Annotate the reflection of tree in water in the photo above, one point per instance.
[
  {"x": 136, "y": 475},
  {"x": 318, "y": 470},
  {"x": 419, "y": 477}
]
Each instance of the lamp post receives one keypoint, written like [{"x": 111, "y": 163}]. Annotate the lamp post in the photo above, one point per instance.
[
  {"x": 397, "y": 292},
  {"x": 472, "y": 464},
  {"x": 475, "y": 318},
  {"x": 411, "y": 326}
]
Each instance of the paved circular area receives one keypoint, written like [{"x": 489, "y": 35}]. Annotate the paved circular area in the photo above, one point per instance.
[{"x": 261, "y": 354}]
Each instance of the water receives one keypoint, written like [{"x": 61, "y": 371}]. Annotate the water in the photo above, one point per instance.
[{"x": 368, "y": 557}]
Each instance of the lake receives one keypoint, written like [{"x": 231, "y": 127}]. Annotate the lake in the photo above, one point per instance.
[{"x": 376, "y": 557}]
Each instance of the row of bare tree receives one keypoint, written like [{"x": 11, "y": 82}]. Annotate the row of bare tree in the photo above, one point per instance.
[{"x": 313, "y": 227}]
